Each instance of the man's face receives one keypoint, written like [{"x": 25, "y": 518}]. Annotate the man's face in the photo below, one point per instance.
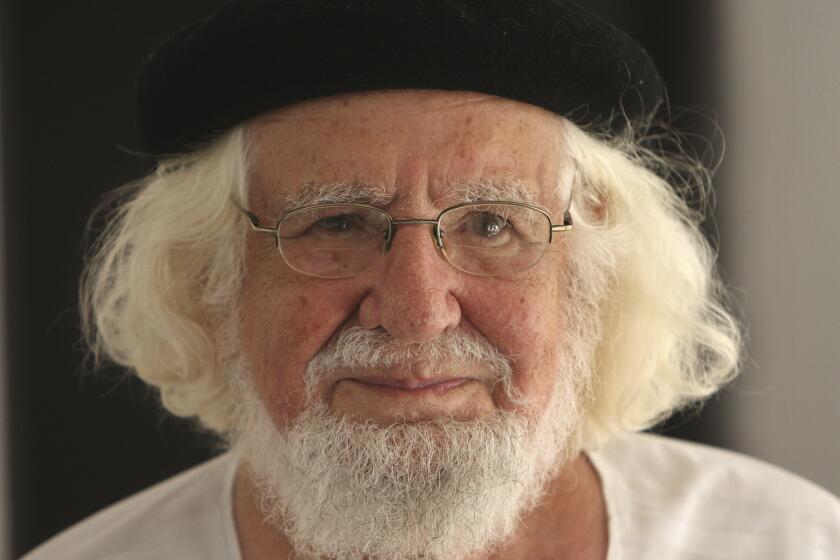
[{"x": 415, "y": 153}]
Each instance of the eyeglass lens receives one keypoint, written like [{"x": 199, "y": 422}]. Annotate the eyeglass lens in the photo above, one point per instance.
[{"x": 337, "y": 241}]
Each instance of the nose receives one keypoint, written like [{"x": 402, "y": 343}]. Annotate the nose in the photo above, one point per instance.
[{"x": 412, "y": 293}]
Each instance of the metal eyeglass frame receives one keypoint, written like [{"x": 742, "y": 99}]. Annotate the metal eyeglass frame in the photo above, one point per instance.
[{"x": 437, "y": 233}]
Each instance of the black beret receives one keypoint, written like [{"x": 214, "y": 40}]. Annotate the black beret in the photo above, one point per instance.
[{"x": 254, "y": 56}]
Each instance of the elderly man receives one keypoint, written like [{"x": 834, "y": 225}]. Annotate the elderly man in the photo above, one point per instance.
[{"x": 412, "y": 263}]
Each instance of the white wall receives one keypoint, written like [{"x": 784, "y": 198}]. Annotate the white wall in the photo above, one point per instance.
[{"x": 779, "y": 208}]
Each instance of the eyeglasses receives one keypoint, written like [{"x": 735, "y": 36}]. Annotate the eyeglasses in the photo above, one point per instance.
[{"x": 493, "y": 238}]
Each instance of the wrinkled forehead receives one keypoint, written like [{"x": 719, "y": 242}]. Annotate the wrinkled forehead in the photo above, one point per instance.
[{"x": 402, "y": 144}]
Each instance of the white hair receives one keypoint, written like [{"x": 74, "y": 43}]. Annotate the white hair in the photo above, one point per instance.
[
  {"x": 668, "y": 338},
  {"x": 164, "y": 274},
  {"x": 167, "y": 270}
]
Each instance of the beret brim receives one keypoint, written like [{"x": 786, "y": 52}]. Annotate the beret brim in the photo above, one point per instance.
[{"x": 254, "y": 56}]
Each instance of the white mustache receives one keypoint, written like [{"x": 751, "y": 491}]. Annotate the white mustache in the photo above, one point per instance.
[{"x": 359, "y": 348}]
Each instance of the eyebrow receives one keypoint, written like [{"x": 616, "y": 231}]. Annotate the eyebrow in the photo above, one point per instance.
[
  {"x": 487, "y": 188},
  {"x": 336, "y": 193}
]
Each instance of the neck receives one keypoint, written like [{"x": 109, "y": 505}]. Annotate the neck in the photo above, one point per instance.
[{"x": 569, "y": 523}]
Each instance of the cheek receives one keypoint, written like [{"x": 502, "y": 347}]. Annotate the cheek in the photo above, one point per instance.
[
  {"x": 286, "y": 319},
  {"x": 526, "y": 325}
]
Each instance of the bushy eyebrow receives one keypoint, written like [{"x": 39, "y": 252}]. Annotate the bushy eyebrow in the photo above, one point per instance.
[
  {"x": 336, "y": 193},
  {"x": 487, "y": 188}
]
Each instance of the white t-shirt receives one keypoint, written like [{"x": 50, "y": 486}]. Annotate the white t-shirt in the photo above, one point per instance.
[{"x": 666, "y": 499}]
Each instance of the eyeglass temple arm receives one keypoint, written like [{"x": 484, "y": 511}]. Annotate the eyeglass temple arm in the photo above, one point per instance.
[
  {"x": 567, "y": 220},
  {"x": 254, "y": 221},
  {"x": 565, "y": 226}
]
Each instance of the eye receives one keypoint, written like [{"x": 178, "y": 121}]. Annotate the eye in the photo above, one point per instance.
[
  {"x": 339, "y": 223},
  {"x": 487, "y": 225}
]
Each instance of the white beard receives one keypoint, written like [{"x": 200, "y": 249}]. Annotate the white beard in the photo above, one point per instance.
[{"x": 441, "y": 489}]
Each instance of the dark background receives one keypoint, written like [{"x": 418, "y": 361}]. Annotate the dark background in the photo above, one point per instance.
[{"x": 81, "y": 440}]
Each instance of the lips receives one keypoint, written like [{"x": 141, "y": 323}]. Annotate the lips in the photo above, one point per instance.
[{"x": 411, "y": 386}]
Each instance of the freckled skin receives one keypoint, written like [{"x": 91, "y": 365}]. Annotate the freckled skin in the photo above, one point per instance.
[{"x": 417, "y": 144}]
